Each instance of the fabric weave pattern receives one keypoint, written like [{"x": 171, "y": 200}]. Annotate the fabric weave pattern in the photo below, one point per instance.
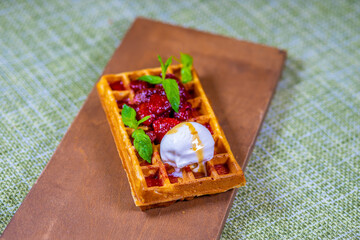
[{"x": 303, "y": 176}]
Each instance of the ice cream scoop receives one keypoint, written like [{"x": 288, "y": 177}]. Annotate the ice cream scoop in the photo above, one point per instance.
[{"x": 185, "y": 144}]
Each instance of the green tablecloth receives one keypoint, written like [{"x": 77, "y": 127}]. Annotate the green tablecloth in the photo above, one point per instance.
[{"x": 303, "y": 177}]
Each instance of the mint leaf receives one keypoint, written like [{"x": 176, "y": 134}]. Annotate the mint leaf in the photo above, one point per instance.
[
  {"x": 168, "y": 63},
  {"x": 151, "y": 79},
  {"x": 128, "y": 115},
  {"x": 143, "y": 144},
  {"x": 172, "y": 93},
  {"x": 137, "y": 132},
  {"x": 165, "y": 66},
  {"x": 143, "y": 120},
  {"x": 163, "y": 70},
  {"x": 186, "y": 75},
  {"x": 186, "y": 60}
]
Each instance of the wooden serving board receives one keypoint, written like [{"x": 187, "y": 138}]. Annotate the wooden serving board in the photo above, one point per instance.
[{"x": 83, "y": 192}]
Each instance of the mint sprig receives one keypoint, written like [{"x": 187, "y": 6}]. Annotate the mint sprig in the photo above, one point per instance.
[
  {"x": 142, "y": 141},
  {"x": 170, "y": 85},
  {"x": 186, "y": 61}
]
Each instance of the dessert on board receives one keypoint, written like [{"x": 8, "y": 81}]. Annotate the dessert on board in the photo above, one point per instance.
[{"x": 167, "y": 135}]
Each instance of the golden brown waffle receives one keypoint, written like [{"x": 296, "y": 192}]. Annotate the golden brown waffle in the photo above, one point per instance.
[{"x": 191, "y": 184}]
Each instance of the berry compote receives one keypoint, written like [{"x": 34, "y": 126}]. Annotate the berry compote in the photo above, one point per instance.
[{"x": 151, "y": 100}]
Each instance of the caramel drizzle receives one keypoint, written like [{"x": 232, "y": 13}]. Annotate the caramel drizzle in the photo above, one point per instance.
[{"x": 197, "y": 146}]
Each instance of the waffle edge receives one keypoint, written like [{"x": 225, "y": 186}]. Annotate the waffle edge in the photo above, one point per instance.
[{"x": 188, "y": 187}]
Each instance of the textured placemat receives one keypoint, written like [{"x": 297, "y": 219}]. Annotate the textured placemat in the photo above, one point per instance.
[
  {"x": 83, "y": 192},
  {"x": 303, "y": 178}
]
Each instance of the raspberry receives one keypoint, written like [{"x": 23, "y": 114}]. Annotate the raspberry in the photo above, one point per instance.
[
  {"x": 118, "y": 86},
  {"x": 137, "y": 85},
  {"x": 185, "y": 112},
  {"x": 142, "y": 111},
  {"x": 166, "y": 114},
  {"x": 162, "y": 126},
  {"x": 151, "y": 135},
  {"x": 144, "y": 95},
  {"x": 184, "y": 95},
  {"x": 159, "y": 104}
]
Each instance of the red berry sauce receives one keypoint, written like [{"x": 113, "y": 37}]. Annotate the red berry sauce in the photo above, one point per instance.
[
  {"x": 221, "y": 169},
  {"x": 144, "y": 163},
  {"x": 198, "y": 175},
  {"x": 173, "y": 179},
  {"x": 153, "y": 180},
  {"x": 207, "y": 125},
  {"x": 118, "y": 86},
  {"x": 121, "y": 103}
]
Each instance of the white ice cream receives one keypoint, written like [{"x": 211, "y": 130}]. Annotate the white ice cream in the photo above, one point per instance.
[{"x": 185, "y": 144}]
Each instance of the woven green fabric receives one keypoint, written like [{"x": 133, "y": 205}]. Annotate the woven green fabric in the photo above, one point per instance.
[{"x": 303, "y": 177}]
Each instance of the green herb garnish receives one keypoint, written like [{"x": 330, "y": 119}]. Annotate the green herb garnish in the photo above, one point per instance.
[
  {"x": 142, "y": 141},
  {"x": 142, "y": 144},
  {"x": 172, "y": 93},
  {"x": 186, "y": 61},
  {"x": 170, "y": 85}
]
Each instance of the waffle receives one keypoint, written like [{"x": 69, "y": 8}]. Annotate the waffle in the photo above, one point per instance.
[{"x": 223, "y": 171}]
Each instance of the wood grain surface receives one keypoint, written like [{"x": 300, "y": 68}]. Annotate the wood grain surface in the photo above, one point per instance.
[{"x": 83, "y": 192}]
